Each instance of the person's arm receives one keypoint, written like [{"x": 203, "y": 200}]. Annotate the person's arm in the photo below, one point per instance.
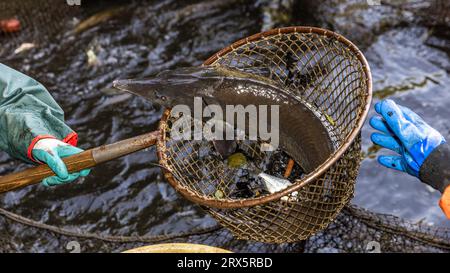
[
  {"x": 32, "y": 126},
  {"x": 435, "y": 172},
  {"x": 423, "y": 151}
]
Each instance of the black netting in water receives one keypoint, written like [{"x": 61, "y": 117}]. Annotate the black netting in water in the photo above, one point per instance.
[{"x": 354, "y": 230}]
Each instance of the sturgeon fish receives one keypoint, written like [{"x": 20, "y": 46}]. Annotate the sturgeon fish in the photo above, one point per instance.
[{"x": 302, "y": 135}]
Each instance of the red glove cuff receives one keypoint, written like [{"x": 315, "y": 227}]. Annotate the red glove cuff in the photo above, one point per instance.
[{"x": 71, "y": 139}]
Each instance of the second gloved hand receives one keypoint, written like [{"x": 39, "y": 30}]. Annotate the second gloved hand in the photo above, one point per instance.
[
  {"x": 51, "y": 151},
  {"x": 403, "y": 131}
]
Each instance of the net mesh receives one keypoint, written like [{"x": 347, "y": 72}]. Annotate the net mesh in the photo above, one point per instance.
[
  {"x": 353, "y": 230},
  {"x": 328, "y": 76}
]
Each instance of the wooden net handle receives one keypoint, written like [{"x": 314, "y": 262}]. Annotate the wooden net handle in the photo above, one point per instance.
[{"x": 78, "y": 162}]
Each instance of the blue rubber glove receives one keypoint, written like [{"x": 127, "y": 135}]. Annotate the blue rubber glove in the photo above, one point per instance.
[
  {"x": 50, "y": 151},
  {"x": 404, "y": 132}
]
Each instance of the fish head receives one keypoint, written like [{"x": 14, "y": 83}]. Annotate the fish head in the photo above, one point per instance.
[
  {"x": 150, "y": 89},
  {"x": 173, "y": 87}
]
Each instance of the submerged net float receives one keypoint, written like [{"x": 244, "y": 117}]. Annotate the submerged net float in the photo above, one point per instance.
[{"x": 319, "y": 67}]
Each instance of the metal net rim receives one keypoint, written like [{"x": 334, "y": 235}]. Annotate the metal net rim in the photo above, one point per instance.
[{"x": 320, "y": 170}]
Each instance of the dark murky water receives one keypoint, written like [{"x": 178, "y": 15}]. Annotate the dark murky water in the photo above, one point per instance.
[{"x": 129, "y": 196}]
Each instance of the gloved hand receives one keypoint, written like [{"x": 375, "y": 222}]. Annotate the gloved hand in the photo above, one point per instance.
[
  {"x": 404, "y": 132},
  {"x": 50, "y": 151}
]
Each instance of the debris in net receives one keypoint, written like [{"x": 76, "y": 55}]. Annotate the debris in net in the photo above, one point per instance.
[
  {"x": 204, "y": 150},
  {"x": 225, "y": 147},
  {"x": 275, "y": 184},
  {"x": 278, "y": 163},
  {"x": 330, "y": 119},
  {"x": 267, "y": 147},
  {"x": 236, "y": 160},
  {"x": 289, "y": 168},
  {"x": 243, "y": 190},
  {"x": 246, "y": 183},
  {"x": 219, "y": 194},
  {"x": 252, "y": 176}
]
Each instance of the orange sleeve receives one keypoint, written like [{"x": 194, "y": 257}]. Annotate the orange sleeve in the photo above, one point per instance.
[{"x": 444, "y": 203}]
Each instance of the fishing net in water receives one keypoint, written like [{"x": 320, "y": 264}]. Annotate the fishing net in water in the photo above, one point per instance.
[{"x": 330, "y": 76}]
